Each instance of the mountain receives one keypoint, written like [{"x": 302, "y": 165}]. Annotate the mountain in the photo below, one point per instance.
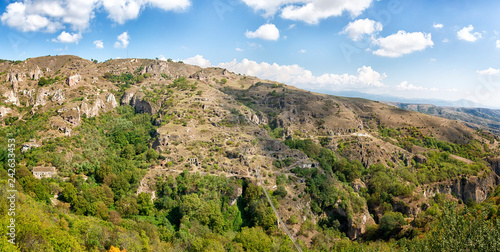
[
  {"x": 388, "y": 98},
  {"x": 476, "y": 118},
  {"x": 155, "y": 155}
]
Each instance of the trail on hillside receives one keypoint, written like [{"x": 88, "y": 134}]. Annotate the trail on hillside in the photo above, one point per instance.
[{"x": 285, "y": 228}]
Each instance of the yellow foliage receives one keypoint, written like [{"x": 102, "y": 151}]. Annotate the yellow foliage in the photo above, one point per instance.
[{"x": 115, "y": 249}]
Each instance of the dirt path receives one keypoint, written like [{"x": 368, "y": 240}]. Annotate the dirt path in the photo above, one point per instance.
[{"x": 285, "y": 228}]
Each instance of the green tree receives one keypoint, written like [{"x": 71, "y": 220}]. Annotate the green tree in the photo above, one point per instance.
[
  {"x": 68, "y": 193},
  {"x": 151, "y": 155},
  {"x": 145, "y": 206},
  {"x": 391, "y": 223},
  {"x": 128, "y": 152},
  {"x": 254, "y": 239}
]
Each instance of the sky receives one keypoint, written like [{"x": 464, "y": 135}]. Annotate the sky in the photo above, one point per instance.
[{"x": 439, "y": 49}]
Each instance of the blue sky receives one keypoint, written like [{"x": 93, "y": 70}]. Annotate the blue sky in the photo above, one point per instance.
[{"x": 415, "y": 49}]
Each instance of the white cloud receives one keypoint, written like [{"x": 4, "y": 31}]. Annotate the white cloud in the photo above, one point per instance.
[
  {"x": 53, "y": 15},
  {"x": 170, "y": 5},
  {"x": 267, "y": 32},
  {"x": 239, "y": 49},
  {"x": 291, "y": 26},
  {"x": 309, "y": 11},
  {"x": 298, "y": 76},
  {"x": 66, "y": 37},
  {"x": 49, "y": 16},
  {"x": 16, "y": 16},
  {"x": 123, "y": 40},
  {"x": 406, "y": 86},
  {"x": 401, "y": 43},
  {"x": 445, "y": 40},
  {"x": 122, "y": 10},
  {"x": 312, "y": 11},
  {"x": 467, "y": 35},
  {"x": 302, "y": 51},
  {"x": 438, "y": 26},
  {"x": 498, "y": 43},
  {"x": 356, "y": 29},
  {"x": 489, "y": 71},
  {"x": 451, "y": 90},
  {"x": 270, "y": 7},
  {"x": 99, "y": 44},
  {"x": 198, "y": 60}
]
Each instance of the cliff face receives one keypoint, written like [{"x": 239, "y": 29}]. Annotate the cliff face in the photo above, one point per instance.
[
  {"x": 495, "y": 165},
  {"x": 472, "y": 188}
]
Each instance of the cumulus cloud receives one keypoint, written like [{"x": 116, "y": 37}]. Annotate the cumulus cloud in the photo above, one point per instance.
[
  {"x": 401, "y": 43},
  {"x": 99, "y": 44},
  {"x": 66, "y": 37},
  {"x": 17, "y": 15},
  {"x": 309, "y": 11},
  {"x": 313, "y": 11},
  {"x": 467, "y": 35},
  {"x": 53, "y": 15},
  {"x": 358, "y": 28},
  {"x": 302, "y": 51},
  {"x": 123, "y": 40},
  {"x": 120, "y": 11},
  {"x": 498, "y": 43},
  {"x": 267, "y": 32},
  {"x": 198, "y": 60},
  {"x": 438, "y": 26},
  {"x": 298, "y": 76},
  {"x": 489, "y": 71},
  {"x": 406, "y": 86},
  {"x": 239, "y": 49},
  {"x": 268, "y": 7}
]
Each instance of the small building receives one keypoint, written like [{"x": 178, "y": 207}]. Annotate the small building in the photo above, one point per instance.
[
  {"x": 28, "y": 145},
  {"x": 44, "y": 172}
]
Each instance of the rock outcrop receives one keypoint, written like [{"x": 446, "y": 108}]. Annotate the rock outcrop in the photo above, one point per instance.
[
  {"x": 92, "y": 110},
  {"x": 58, "y": 97},
  {"x": 359, "y": 223},
  {"x": 11, "y": 97},
  {"x": 73, "y": 80},
  {"x": 127, "y": 98},
  {"x": 40, "y": 97},
  {"x": 35, "y": 74},
  {"x": 472, "y": 188},
  {"x": 110, "y": 98},
  {"x": 4, "y": 111}
]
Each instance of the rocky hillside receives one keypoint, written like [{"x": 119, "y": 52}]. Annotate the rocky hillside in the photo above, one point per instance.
[
  {"x": 476, "y": 118},
  {"x": 339, "y": 162}
]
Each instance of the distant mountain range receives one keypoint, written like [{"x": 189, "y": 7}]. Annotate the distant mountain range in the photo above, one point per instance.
[
  {"x": 437, "y": 102},
  {"x": 474, "y": 115},
  {"x": 476, "y": 118}
]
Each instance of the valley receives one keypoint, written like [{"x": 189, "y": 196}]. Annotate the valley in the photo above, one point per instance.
[{"x": 157, "y": 155}]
